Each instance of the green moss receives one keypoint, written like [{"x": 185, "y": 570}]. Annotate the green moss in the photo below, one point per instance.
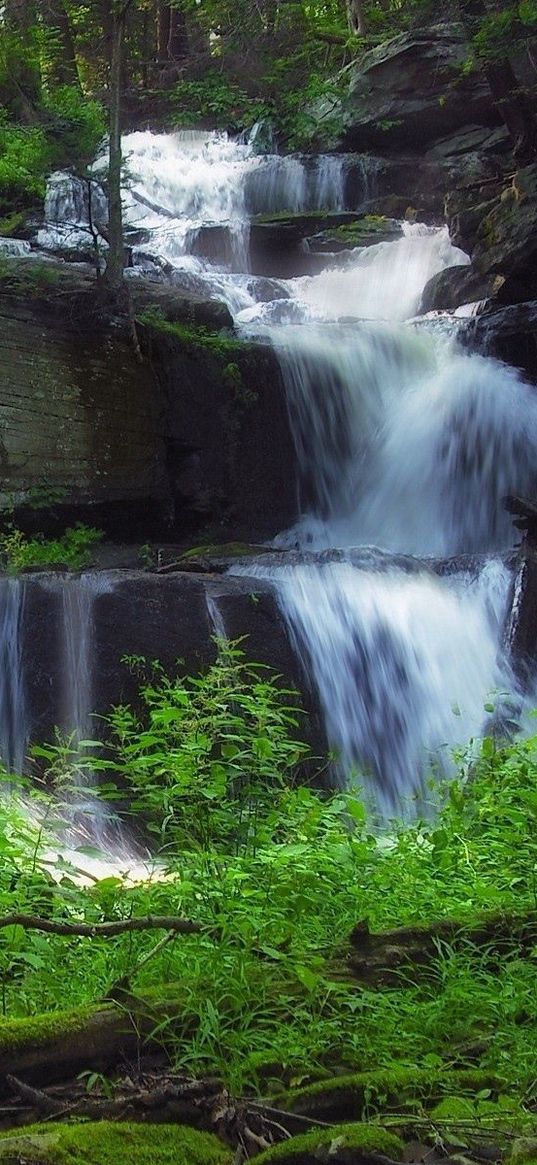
[
  {"x": 26, "y": 275},
  {"x": 361, "y": 1092},
  {"x": 524, "y": 1151},
  {"x": 363, "y": 1138},
  {"x": 11, "y": 224},
  {"x": 42, "y": 1029},
  {"x": 224, "y": 550},
  {"x": 196, "y": 338},
  {"x": 108, "y": 1143}
]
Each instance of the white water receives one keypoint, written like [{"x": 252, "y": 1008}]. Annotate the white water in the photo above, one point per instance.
[
  {"x": 14, "y": 726},
  {"x": 402, "y": 663},
  {"x": 403, "y": 440}
]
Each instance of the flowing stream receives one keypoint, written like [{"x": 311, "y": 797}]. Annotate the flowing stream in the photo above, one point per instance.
[{"x": 404, "y": 441}]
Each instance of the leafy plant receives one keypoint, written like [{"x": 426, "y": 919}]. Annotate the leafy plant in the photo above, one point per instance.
[{"x": 72, "y": 549}]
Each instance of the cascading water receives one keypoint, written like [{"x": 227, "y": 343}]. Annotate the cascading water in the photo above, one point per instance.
[
  {"x": 13, "y": 708},
  {"x": 404, "y": 441}
]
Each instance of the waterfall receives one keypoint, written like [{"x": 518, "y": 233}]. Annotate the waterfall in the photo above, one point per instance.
[
  {"x": 402, "y": 665},
  {"x": 216, "y": 617},
  {"x": 405, "y": 441},
  {"x": 77, "y": 638},
  {"x": 13, "y": 707}
]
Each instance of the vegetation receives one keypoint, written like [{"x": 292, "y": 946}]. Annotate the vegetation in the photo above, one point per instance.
[
  {"x": 280, "y": 875},
  {"x": 72, "y": 549}
]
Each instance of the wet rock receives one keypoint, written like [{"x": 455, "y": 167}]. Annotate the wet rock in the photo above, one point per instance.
[
  {"x": 367, "y": 232},
  {"x": 457, "y": 285},
  {"x": 509, "y": 333},
  {"x": 230, "y": 454},
  {"x": 277, "y": 243},
  {"x": 411, "y": 90},
  {"x": 136, "y": 613}
]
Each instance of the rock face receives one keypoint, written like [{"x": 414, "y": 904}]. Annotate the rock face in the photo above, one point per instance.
[
  {"x": 412, "y": 90},
  {"x": 133, "y": 613},
  {"x": 197, "y": 432},
  {"x": 78, "y": 415},
  {"x": 229, "y": 452},
  {"x": 506, "y": 240}
]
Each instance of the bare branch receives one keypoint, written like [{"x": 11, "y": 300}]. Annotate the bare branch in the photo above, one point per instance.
[{"x": 105, "y": 929}]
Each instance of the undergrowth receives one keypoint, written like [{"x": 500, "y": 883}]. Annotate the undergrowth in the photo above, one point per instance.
[
  {"x": 71, "y": 549},
  {"x": 282, "y": 874}
]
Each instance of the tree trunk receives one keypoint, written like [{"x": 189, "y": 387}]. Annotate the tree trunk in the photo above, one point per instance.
[
  {"x": 53, "y": 1046},
  {"x": 163, "y": 30},
  {"x": 20, "y": 60},
  {"x": 178, "y": 46},
  {"x": 115, "y": 262},
  {"x": 355, "y": 17},
  {"x": 64, "y": 70},
  {"x": 509, "y": 97}
]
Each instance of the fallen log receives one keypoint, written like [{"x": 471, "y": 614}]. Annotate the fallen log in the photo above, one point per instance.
[
  {"x": 57, "y": 1045},
  {"x": 382, "y": 959}
]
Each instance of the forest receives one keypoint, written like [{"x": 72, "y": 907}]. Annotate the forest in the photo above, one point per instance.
[{"x": 268, "y": 582}]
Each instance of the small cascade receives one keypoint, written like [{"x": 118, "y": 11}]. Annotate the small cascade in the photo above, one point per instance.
[
  {"x": 402, "y": 665},
  {"x": 14, "y": 727},
  {"x": 77, "y": 596},
  {"x": 216, "y": 617},
  {"x": 73, "y": 209}
]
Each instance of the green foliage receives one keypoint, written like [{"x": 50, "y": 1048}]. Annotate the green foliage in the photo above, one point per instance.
[
  {"x": 194, "y": 337},
  {"x": 24, "y": 157},
  {"x": 283, "y": 873},
  {"x": 72, "y": 549},
  {"x": 209, "y": 755},
  {"x": 77, "y": 125},
  {"x": 215, "y": 99}
]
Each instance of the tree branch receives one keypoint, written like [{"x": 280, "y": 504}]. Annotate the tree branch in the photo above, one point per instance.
[{"x": 105, "y": 929}]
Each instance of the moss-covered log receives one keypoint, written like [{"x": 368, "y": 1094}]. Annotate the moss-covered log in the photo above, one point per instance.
[
  {"x": 104, "y": 1142},
  {"x": 56, "y": 1045},
  {"x": 380, "y": 958}
]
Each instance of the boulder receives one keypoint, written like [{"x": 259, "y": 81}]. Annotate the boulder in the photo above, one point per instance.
[
  {"x": 368, "y": 231},
  {"x": 278, "y": 245},
  {"x": 509, "y": 333},
  {"x": 453, "y": 286},
  {"x": 412, "y": 90}
]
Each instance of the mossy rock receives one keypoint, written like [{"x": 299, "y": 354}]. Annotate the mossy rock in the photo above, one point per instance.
[
  {"x": 194, "y": 338},
  {"x": 110, "y": 1143},
  {"x": 341, "y": 1143},
  {"x": 362, "y": 1092},
  {"x": 12, "y": 224},
  {"x": 224, "y": 550},
  {"x": 523, "y": 1151},
  {"x": 371, "y": 229}
]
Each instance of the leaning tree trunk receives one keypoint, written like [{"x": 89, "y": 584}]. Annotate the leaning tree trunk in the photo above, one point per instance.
[
  {"x": 113, "y": 275},
  {"x": 510, "y": 99}
]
